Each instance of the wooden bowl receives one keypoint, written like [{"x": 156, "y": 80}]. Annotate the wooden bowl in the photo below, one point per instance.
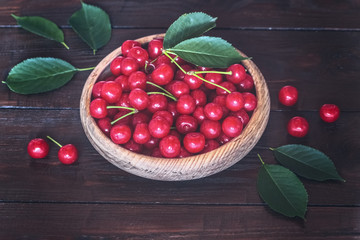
[{"x": 175, "y": 169}]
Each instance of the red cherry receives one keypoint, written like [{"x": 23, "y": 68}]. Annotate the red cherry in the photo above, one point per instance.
[
  {"x": 157, "y": 102},
  {"x": 298, "y": 127},
  {"x": 288, "y": 95},
  {"x": 178, "y": 88},
  {"x": 131, "y": 145},
  {"x": 184, "y": 153},
  {"x": 124, "y": 82},
  {"x": 67, "y": 154},
  {"x": 111, "y": 91},
  {"x": 242, "y": 115},
  {"x": 139, "y": 117},
  {"x": 221, "y": 100},
  {"x": 139, "y": 99},
  {"x": 123, "y": 101},
  {"x": 199, "y": 97},
  {"x": 115, "y": 65},
  {"x": 140, "y": 54},
  {"x": 120, "y": 119},
  {"x": 179, "y": 75},
  {"x": 232, "y": 126},
  {"x": 141, "y": 133},
  {"x": 186, "y": 124},
  {"x": 129, "y": 65},
  {"x": 152, "y": 143},
  {"x": 194, "y": 142},
  {"x": 155, "y": 48},
  {"x": 98, "y": 108},
  {"x": 96, "y": 90},
  {"x": 137, "y": 80},
  {"x": 193, "y": 81},
  {"x": 210, "y": 128},
  {"x": 213, "y": 111},
  {"x": 250, "y": 101},
  {"x": 159, "y": 127},
  {"x": 186, "y": 104},
  {"x": 127, "y": 45},
  {"x": 246, "y": 85},
  {"x": 228, "y": 85},
  {"x": 223, "y": 138},
  {"x": 156, "y": 153},
  {"x": 329, "y": 112},
  {"x": 198, "y": 114},
  {"x": 170, "y": 146},
  {"x": 162, "y": 74},
  {"x": 210, "y": 145},
  {"x": 165, "y": 114},
  {"x": 38, "y": 148},
  {"x": 120, "y": 134},
  {"x": 216, "y": 78},
  {"x": 105, "y": 125},
  {"x": 238, "y": 73},
  {"x": 235, "y": 101}
]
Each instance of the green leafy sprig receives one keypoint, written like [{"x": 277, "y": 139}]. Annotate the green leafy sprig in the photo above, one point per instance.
[{"x": 280, "y": 187}]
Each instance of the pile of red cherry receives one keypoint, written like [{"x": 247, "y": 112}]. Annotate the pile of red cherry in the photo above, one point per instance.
[{"x": 157, "y": 104}]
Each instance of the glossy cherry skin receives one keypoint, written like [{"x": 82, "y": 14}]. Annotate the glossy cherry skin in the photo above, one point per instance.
[
  {"x": 165, "y": 114},
  {"x": 155, "y": 48},
  {"x": 228, "y": 85},
  {"x": 140, "y": 54},
  {"x": 124, "y": 82},
  {"x": 141, "y": 133},
  {"x": 223, "y": 138},
  {"x": 152, "y": 143},
  {"x": 129, "y": 65},
  {"x": 115, "y": 65},
  {"x": 171, "y": 108},
  {"x": 68, "y": 154},
  {"x": 216, "y": 78},
  {"x": 120, "y": 134},
  {"x": 111, "y": 91},
  {"x": 157, "y": 102},
  {"x": 298, "y": 127},
  {"x": 105, "y": 125},
  {"x": 127, "y": 45},
  {"x": 234, "y": 101},
  {"x": 178, "y": 88},
  {"x": 170, "y": 146},
  {"x": 199, "y": 97},
  {"x": 159, "y": 127},
  {"x": 184, "y": 153},
  {"x": 246, "y": 85},
  {"x": 238, "y": 73},
  {"x": 192, "y": 81},
  {"x": 139, "y": 99},
  {"x": 329, "y": 112},
  {"x": 232, "y": 126},
  {"x": 250, "y": 101},
  {"x": 194, "y": 142},
  {"x": 288, "y": 95},
  {"x": 38, "y": 148},
  {"x": 242, "y": 115},
  {"x": 131, "y": 145},
  {"x": 186, "y": 104},
  {"x": 213, "y": 111},
  {"x": 198, "y": 114},
  {"x": 210, "y": 128},
  {"x": 186, "y": 124},
  {"x": 98, "y": 108},
  {"x": 140, "y": 117},
  {"x": 210, "y": 145},
  {"x": 137, "y": 80},
  {"x": 96, "y": 90},
  {"x": 162, "y": 74}
]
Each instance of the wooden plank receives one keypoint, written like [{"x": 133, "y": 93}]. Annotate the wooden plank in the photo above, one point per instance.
[
  {"x": 231, "y": 14},
  {"x": 126, "y": 221},
  {"x": 93, "y": 179},
  {"x": 323, "y": 71}
]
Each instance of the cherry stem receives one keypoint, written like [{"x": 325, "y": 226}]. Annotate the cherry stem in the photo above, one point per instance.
[
  {"x": 128, "y": 108},
  {"x": 124, "y": 116},
  {"x": 163, "y": 89},
  {"x": 173, "y": 60},
  {"x": 217, "y": 85},
  {"x": 54, "y": 141},
  {"x": 261, "y": 159},
  {"x": 165, "y": 94},
  {"x": 220, "y": 72},
  {"x": 85, "y": 69},
  {"x": 66, "y": 46}
]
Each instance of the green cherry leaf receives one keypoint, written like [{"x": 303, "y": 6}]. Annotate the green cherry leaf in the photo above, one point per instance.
[
  {"x": 282, "y": 190},
  {"x": 36, "y": 75},
  {"x": 187, "y": 26},
  {"x": 42, "y": 27},
  {"x": 207, "y": 52},
  {"x": 93, "y": 26},
  {"x": 307, "y": 162}
]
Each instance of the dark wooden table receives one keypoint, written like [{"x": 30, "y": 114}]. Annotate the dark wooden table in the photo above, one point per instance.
[{"x": 313, "y": 45}]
